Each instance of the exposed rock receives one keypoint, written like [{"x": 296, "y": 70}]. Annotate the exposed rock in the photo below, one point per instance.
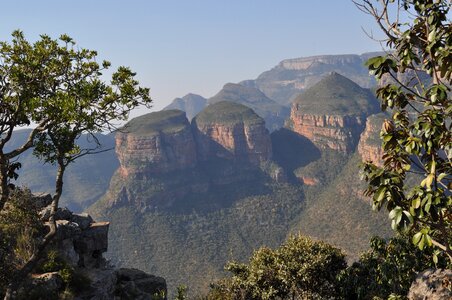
[
  {"x": 332, "y": 113},
  {"x": 309, "y": 180},
  {"x": 292, "y": 76},
  {"x": 369, "y": 147},
  {"x": 432, "y": 285},
  {"x": 41, "y": 200},
  {"x": 142, "y": 281},
  {"x": 231, "y": 131},
  {"x": 273, "y": 113},
  {"x": 80, "y": 243},
  {"x": 83, "y": 220},
  {"x": 192, "y": 104},
  {"x": 156, "y": 143}
]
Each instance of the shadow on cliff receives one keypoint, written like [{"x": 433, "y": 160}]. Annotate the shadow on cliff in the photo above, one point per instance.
[{"x": 292, "y": 151}]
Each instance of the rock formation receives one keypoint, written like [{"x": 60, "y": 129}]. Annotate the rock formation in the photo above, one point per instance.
[
  {"x": 293, "y": 76},
  {"x": 192, "y": 104},
  {"x": 80, "y": 243},
  {"x": 369, "y": 147},
  {"x": 232, "y": 131},
  {"x": 432, "y": 285},
  {"x": 273, "y": 113},
  {"x": 332, "y": 113},
  {"x": 158, "y": 142}
]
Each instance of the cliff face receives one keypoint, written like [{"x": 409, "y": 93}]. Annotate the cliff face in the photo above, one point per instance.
[
  {"x": 273, "y": 113},
  {"x": 232, "y": 131},
  {"x": 332, "y": 113},
  {"x": 369, "y": 147},
  {"x": 292, "y": 76},
  {"x": 164, "y": 144},
  {"x": 335, "y": 132}
]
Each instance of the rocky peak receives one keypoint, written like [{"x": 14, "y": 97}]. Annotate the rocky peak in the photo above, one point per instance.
[
  {"x": 332, "y": 113},
  {"x": 232, "y": 131},
  {"x": 192, "y": 104},
  {"x": 155, "y": 143},
  {"x": 273, "y": 113}
]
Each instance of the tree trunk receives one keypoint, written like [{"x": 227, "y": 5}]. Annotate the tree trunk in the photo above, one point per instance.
[
  {"x": 4, "y": 190},
  {"x": 23, "y": 273}
]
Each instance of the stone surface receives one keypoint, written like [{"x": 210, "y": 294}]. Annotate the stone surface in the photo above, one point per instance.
[
  {"x": 83, "y": 220},
  {"x": 332, "y": 113},
  {"x": 369, "y": 147},
  {"x": 137, "y": 279},
  {"x": 432, "y": 285},
  {"x": 166, "y": 144},
  {"x": 41, "y": 200},
  {"x": 231, "y": 131}
]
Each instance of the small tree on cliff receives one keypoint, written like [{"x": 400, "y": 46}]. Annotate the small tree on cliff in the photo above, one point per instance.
[
  {"x": 418, "y": 137},
  {"x": 57, "y": 86}
]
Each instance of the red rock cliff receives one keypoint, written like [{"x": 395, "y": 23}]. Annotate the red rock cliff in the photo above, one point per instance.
[
  {"x": 332, "y": 113},
  {"x": 369, "y": 147},
  {"x": 232, "y": 131},
  {"x": 156, "y": 143}
]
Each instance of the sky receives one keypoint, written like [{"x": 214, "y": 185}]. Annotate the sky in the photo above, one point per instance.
[{"x": 195, "y": 46}]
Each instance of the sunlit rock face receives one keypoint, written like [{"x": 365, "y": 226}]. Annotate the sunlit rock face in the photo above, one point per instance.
[
  {"x": 332, "y": 113},
  {"x": 369, "y": 147},
  {"x": 231, "y": 131},
  {"x": 158, "y": 142}
]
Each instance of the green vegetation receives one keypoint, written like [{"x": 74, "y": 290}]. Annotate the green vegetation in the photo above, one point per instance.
[
  {"x": 226, "y": 112},
  {"x": 337, "y": 95},
  {"x": 387, "y": 269},
  {"x": 338, "y": 213},
  {"x": 198, "y": 242},
  {"x": 57, "y": 86},
  {"x": 167, "y": 121},
  {"x": 299, "y": 269},
  {"x": 418, "y": 138},
  {"x": 273, "y": 113}
]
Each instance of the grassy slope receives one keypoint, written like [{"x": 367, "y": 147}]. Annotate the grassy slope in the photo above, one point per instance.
[
  {"x": 339, "y": 215},
  {"x": 337, "y": 95}
]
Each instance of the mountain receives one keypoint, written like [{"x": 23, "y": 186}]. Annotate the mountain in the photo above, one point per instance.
[
  {"x": 188, "y": 197},
  {"x": 273, "y": 113},
  {"x": 192, "y": 104},
  {"x": 292, "y": 76},
  {"x": 332, "y": 113},
  {"x": 89, "y": 176}
]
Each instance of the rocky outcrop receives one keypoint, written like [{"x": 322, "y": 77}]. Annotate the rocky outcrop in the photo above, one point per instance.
[
  {"x": 158, "y": 142},
  {"x": 335, "y": 132},
  {"x": 232, "y": 131},
  {"x": 369, "y": 147},
  {"x": 192, "y": 104},
  {"x": 432, "y": 285},
  {"x": 79, "y": 244},
  {"x": 273, "y": 113},
  {"x": 332, "y": 113},
  {"x": 293, "y": 76}
]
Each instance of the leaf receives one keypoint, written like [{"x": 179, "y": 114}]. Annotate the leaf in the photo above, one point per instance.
[{"x": 417, "y": 237}]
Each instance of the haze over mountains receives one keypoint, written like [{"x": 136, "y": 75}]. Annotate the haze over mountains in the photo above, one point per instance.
[{"x": 191, "y": 190}]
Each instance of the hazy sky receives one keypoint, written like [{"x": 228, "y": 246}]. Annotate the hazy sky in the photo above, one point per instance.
[{"x": 197, "y": 46}]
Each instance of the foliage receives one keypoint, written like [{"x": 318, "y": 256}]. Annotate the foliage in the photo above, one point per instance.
[
  {"x": 300, "y": 268},
  {"x": 388, "y": 268},
  {"x": 227, "y": 112},
  {"x": 418, "y": 137},
  {"x": 58, "y": 86},
  {"x": 20, "y": 229}
]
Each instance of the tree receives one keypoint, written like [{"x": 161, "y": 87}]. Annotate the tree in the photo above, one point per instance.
[
  {"x": 387, "y": 269},
  {"x": 299, "y": 269},
  {"x": 59, "y": 87},
  {"x": 418, "y": 138}
]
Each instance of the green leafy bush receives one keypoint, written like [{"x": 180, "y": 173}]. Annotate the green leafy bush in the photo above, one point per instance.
[{"x": 300, "y": 268}]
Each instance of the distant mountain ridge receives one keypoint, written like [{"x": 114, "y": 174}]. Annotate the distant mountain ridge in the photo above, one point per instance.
[{"x": 192, "y": 104}]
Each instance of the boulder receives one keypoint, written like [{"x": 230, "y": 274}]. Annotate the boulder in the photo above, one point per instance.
[{"x": 432, "y": 285}]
